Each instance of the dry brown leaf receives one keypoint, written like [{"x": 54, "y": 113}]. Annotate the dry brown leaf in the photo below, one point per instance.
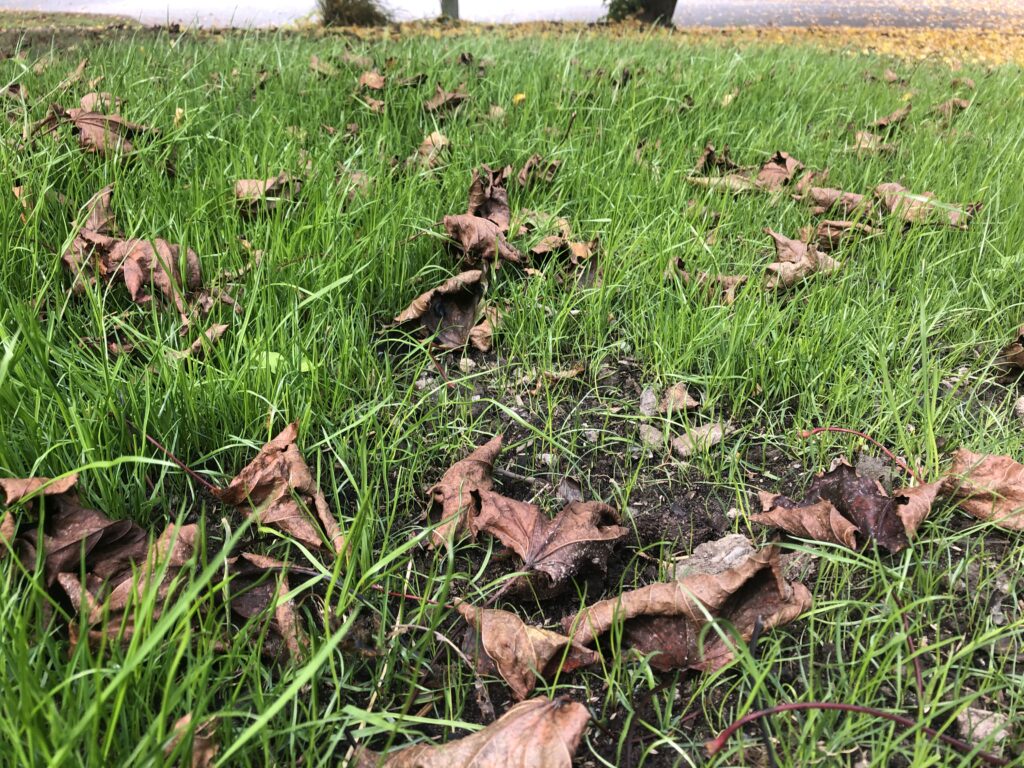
[
  {"x": 825, "y": 199},
  {"x": 989, "y": 487},
  {"x": 553, "y": 550},
  {"x": 539, "y": 733},
  {"x": 455, "y": 498},
  {"x": 16, "y": 489},
  {"x": 431, "y": 150},
  {"x": 796, "y": 261},
  {"x": 923, "y": 208},
  {"x": 100, "y": 216},
  {"x": 778, "y": 171},
  {"x": 1012, "y": 355},
  {"x": 668, "y": 618},
  {"x": 830, "y": 234},
  {"x": 700, "y": 439},
  {"x": 321, "y": 68},
  {"x": 677, "y": 398},
  {"x": 488, "y": 197},
  {"x": 536, "y": 169},
  {"x": 866, "y": 141},
  {"x": 376, "y": 105},
  {"x": 279, "y": 490},
  {"x": 717, "y": 287},
  {"x": 819, "y": 520},
  {"x": 100, "y": 101},
  {"x": 480, "y": 240},
  {"x": 499, "y": 641},
  {"x": 258, "y": 589},
  {"x": 950, "y": 109},
  {"x": 73, "y": 77},
  {"x": 204, "y": 746},
  {"x": 892, "y": 120},
  {"x": 254, "y": 195},
  {"x": 481, "y": 335},
  {"x": 443, "y": 100},
  {"x": 372, "y": 79},
  {"x": 207, "y": 339},
  {"x": 96, "y": 132},
  {"x": 962, "y": 82},
  {"x": 449, "y": 313}
]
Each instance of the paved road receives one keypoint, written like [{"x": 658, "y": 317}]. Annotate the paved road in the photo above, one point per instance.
[{"x": 906, "y": 13}]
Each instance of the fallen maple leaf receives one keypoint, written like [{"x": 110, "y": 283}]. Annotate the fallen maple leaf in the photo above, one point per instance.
[
  {"x": 455, "y": 498},
  {"x": 279, "y": 490},
  {"x": 840, "y": 503},
  {"x": 539, "y": 733},
  {"x": 988, "y": 487},
  {"x": 536, "y": 169},
  {"x": 923, "y": 208},
  {"x": 372, "y": 79},
  {"x": 499, "y": 641},
  {"x": 829, "y": 234},
  {"x": 430, "y": 151},
  {"x": 553, "y": 550},
  {"x": 254, "y": 195},
  {"x": 488, "y": 197},
  {"x": 825, "y": 199},
  {"x": 480, "y": 240},
  {"x": 892, "y": 120},
  {"x": 950, "y": 109},
  {"x": 668, "y": 619},
  {"x": 450, "y": 313},
  {"x": 796, "y": 261},
  {"x": 203, "y": 743},
  {"x": 443, "y": 100}
]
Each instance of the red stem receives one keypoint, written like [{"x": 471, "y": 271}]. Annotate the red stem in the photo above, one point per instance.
[
  {"x": 210, "y": 487},
  {"x": 379, "y": 588},
  {"x": 450, "y": 384},
  {"x": 716, "y": 744},
  {"x": 897, "y": 461}
]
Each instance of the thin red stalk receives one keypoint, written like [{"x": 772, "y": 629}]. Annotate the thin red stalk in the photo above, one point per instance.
[
  {"x": 379, "y": 588},
  {"x": 716, "y": 744},
  {"x": 897, "y": 461},
  {"x": 918, "y": 677},
  {"x": 450, "y": 384},
  {"x": 210, "y": 487}
]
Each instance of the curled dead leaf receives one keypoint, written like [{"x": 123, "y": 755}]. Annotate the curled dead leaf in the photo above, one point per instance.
[
  {"x": 201, "y": 737},
  {"x": 1012, "y": 355},
  {"x": 539, "y": 733},
  {"x": 951, "y": 108},
  {"x": 450, "y": 313},
  {"x": 667, "y": 619},
  {"x": 480, "y": 240},
  {"x": 499, "y": 641},
  {"x": 989, "y": 487},
  {"x": 892, "y": 120},
  {"x": 431, "y": 150},
  {"x": 254, "y": 195},
  {"x": 488, "y": 197},
  {"x": 829, "y": 235},
  {"x": 537, "y": 169},
  {"x": 443, "y": 100},
  {"x": 826, "y": 199},
  {"x": 796, "y": 261},
  {"x": 279, "y": 490},
  {"x": 455, "y": 498},
  {"x": 372, "y": 80},
  {"x": 923, "y": 208}
]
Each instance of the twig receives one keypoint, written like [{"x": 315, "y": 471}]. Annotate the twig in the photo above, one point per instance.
[
  {"x": 716, "y": 744},
  {"x": 897, "y": 461},
  {"x": 407, "y": 596},
  {"x": 448, "y": 382},
  {"x": 207, "y": 485}
]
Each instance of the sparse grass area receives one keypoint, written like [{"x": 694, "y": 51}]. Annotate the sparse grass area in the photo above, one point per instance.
[{"x": 899, "y": 343}]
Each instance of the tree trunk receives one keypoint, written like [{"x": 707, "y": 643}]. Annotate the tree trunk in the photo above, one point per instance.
[
  {"x": 450, "y": 8},
  {"x": 657, "y": 11}
]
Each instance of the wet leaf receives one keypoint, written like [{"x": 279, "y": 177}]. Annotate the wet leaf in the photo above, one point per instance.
[
  {"x": 989, "y": 487},
  {"x": 480, "y": 240},
  {"x": 455, "y": 498},
  {"x": 431, "y": 150},
  {"x": 443, "y": 100},
  {"x": 488, "y": 197},
  {"x": 890, "y": 121},
  {"x": 537, "y": 169},
  {"x": 841, "y": 504},
  {"x": 553, "y": 550},
  {"x": 667, "y": 619},
  {"x": 796, "y": 261},
  {"x": 254, "y": 195},
  {"x": 201, "y": 737},
  {"x": 539, "y": 733},
  {"x": 372, "y": 80},
  {"x": 449, "y": 313},
  {"x": 279, "y": 490},
  {"x": 923, "y": 208},
  {"x": 499, "y": 641}
]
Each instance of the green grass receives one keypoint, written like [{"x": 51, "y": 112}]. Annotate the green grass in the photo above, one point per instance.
[{"x": 870, "y": 347}]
